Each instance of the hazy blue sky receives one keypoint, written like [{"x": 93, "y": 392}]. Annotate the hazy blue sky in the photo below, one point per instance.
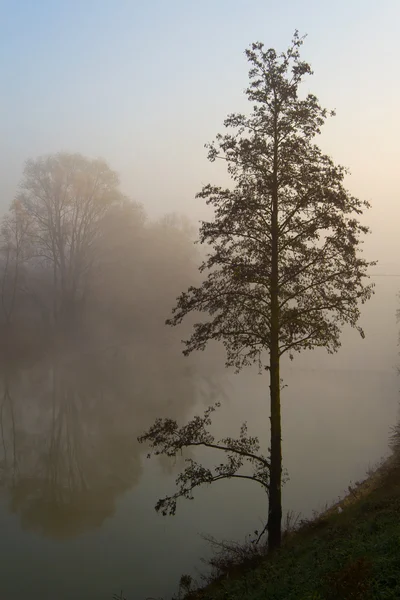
[{"x": 146, "y": 84}]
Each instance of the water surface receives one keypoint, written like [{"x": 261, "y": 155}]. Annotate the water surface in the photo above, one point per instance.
[{"x": 77, "y": 491}]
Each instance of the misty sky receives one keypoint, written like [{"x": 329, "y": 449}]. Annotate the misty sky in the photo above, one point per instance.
[{"x": 146, "y": 84}]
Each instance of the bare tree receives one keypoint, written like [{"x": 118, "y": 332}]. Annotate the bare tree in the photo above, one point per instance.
[{"x": 66, "y": 196}]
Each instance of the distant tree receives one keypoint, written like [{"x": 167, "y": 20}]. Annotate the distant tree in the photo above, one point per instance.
[
  {"x": 142, "y": 265},
  {"x": 66, "y": 196},
  {"x": 15, "y": 250},
  {"x": 284, "y": 272}
]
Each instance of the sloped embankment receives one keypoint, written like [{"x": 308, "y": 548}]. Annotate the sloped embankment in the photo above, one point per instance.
[{"x": 350, "y": 552}]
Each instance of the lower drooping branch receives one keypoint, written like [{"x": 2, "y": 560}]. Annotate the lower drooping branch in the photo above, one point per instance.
[{"x": 165, "y": 437}]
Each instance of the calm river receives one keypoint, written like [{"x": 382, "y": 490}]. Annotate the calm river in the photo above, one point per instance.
[{"x": 77, "y": 492}]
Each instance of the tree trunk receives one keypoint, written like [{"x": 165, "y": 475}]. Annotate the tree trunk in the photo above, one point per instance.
[
  {"x": 275, "y": 483},
  {"x": 275, "y": 494}
]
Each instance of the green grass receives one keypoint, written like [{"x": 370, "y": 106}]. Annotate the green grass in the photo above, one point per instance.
[{"x": 354, "y": 555}]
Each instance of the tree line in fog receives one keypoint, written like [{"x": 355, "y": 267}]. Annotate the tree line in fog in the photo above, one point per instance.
[{"x": 78, "y": 257}]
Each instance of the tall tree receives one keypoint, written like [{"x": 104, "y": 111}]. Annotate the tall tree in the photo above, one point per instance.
[
  {"x": 66, "y": 197},
  {"x": 284, "y": 270}
]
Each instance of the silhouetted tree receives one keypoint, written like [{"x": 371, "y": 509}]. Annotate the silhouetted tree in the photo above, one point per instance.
[{"x": 284, "y": 271}]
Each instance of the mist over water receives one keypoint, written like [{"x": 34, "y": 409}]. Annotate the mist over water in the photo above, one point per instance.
[
  {"x": 69, "y": 457},
  {"x": 77, "y": 491},
  {"x": 86, "y": 366}
]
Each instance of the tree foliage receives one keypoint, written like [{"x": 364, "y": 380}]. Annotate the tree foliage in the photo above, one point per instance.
[{"x": 321, "y": 273}]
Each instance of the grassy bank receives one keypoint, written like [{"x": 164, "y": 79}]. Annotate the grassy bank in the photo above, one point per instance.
[{"x": 350, "y": 552}]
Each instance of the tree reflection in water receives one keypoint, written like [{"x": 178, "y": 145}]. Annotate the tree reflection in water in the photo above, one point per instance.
[{"x": 69, "y": 430}]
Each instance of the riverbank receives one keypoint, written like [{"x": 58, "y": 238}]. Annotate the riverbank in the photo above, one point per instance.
[{"x": 351, "y": 551}]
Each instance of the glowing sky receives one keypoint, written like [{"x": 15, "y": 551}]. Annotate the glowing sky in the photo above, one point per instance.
[{"x": 146, "y": 84}]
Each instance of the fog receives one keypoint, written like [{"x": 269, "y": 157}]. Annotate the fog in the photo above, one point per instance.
[
  {"x": 86, "y": 360},
  {"x": 87, "y": 364},
  {"x": 78, "y": 493}
]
